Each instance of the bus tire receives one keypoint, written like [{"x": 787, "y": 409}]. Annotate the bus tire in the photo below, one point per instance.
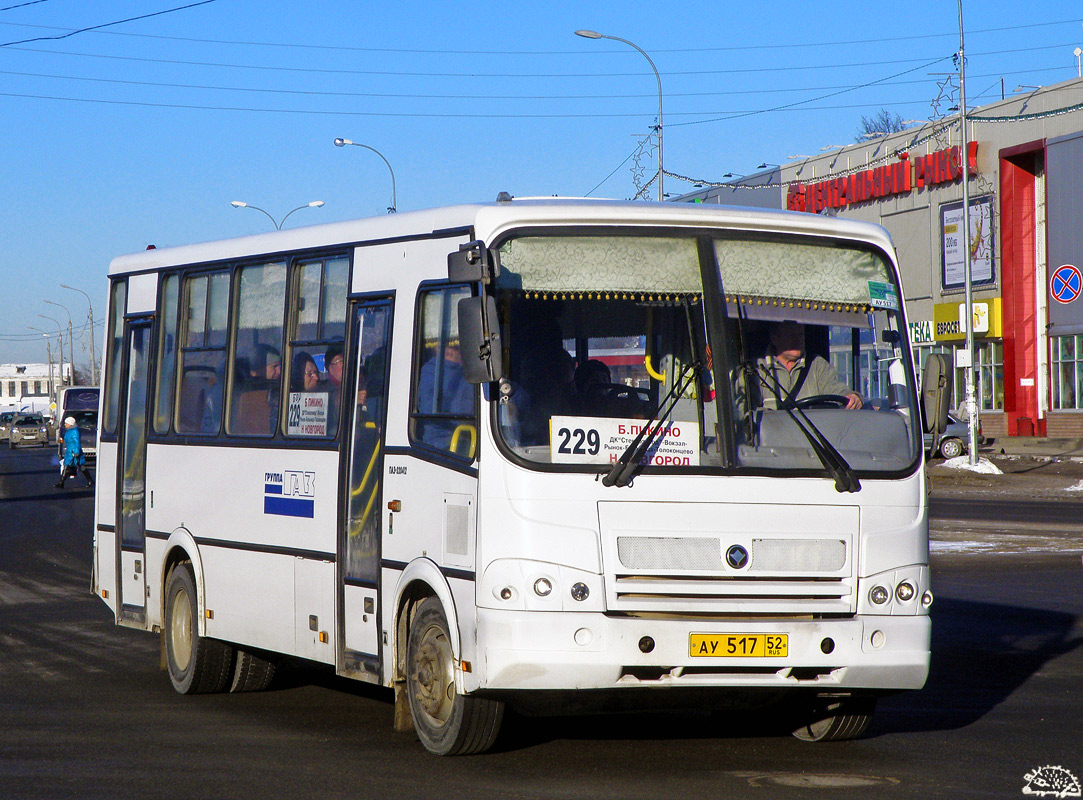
[
  {"x": 446, "y": 722},
  {"x": 837, "y": 722},
  {"x": 251, "y": 673},
  {"x": 196, "y": 664}
]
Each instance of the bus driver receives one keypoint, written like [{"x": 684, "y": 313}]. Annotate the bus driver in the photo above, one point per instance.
[{"x": 787, "y": 375}]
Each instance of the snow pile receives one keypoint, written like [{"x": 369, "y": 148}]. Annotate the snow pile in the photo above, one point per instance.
[
  {"x": 984, "y": 465},
  {"x": 1077, "y": 488}
]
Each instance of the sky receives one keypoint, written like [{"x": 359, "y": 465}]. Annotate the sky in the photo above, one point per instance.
[{"x": 125, "y": 123}]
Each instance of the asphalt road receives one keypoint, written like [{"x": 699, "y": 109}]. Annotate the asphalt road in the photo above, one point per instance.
[{"x": 86, "y": 712}]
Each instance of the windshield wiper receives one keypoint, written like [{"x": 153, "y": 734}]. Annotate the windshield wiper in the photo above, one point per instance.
[
  {"x": 621, "y": 472},
  {"x": 833, "y": 461}
]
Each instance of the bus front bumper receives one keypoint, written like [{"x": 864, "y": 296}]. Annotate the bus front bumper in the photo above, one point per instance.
[{"x": 564, "y": 651}]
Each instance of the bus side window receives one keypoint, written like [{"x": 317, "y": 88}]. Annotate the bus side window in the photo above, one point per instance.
[
  {"x": 444, "y": 413},
  {"x": 203, "y": 357},
  {"x": 256, "y": 377}
]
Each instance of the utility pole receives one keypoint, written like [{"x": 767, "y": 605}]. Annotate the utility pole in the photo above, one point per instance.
[
  {"x": 971, "y": 401},
  {"x": 90, "y": 320}
]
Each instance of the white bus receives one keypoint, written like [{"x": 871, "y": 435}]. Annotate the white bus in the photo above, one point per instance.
[{"x": 399, "y": 446}]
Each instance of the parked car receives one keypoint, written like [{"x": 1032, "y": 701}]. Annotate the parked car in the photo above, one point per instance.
[
  {"x": 30, "y": 429},
  {"x": 954, "y": 440},
  {"x": 87, "y": 422},
  {"x": 6, "y": 418}
]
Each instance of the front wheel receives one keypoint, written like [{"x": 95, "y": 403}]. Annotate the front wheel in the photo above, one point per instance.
[
  {"x": 446, "y": 722},
  {"x": 836, "y": 722},
  {"x": 197, "y": 665}
]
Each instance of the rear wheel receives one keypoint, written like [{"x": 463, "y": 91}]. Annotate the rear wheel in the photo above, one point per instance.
[
  {"x": 197, "y": 665},
  {"x": 446, "y": 722},
  {"x": 836, "y": 722},
  {"x": 251, "y": 673},
  {"x": 951, "y": 448}
]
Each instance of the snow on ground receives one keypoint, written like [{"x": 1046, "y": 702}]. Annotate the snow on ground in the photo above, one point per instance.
[{"x": 984, "y": 465}]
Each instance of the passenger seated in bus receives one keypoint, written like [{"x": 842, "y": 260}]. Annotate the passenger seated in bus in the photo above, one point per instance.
[
  {"x": 256, "y": 408},
  {"x": 786, "y": 375},
  {"x": 304, "y": 377},
  {"x": 442, "y": 389},
  {"x": 334, "y": 360}
]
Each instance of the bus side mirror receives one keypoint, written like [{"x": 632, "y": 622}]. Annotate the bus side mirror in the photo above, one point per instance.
[
  {"x": 936, "y": 385},
  {"x": 479, "y": 339},
  {"x": 472, "y": 263}
]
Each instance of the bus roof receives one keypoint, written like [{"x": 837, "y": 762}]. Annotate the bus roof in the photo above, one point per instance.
[{"x": 487, "y": 220}]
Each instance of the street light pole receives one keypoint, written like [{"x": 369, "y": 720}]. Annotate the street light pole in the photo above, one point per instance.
[
  {"x": 278, "y": 225},
  {"x": 394, "y": 200},
  {"x": 657, "y": 77},
  {"x": 971, "y": 400},
  {"x": 90, "y": 321},
  {"x": 71, "y": 341},
  {"x": 49, "y": 354},
  {"x": 60, "y": 353}
]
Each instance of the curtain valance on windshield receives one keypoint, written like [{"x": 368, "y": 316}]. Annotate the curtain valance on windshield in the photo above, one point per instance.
[
  {"x": 600, "y": 267},
  {"x": 804, "y": 275}
]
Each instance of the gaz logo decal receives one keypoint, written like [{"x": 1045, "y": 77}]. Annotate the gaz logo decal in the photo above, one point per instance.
[{"x": 289, "y": 493}]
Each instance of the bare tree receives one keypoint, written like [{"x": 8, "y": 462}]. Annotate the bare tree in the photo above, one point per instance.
[{"x": 880, "y": 124}]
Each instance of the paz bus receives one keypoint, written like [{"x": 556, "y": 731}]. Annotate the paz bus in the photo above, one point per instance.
[{"x": 364, "y": 444}]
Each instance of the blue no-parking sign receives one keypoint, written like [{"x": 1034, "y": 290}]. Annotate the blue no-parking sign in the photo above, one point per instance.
[{"x": 1066, "y": 283}]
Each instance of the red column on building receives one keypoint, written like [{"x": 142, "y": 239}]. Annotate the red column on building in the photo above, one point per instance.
[{"x": 1018, "y": 268}]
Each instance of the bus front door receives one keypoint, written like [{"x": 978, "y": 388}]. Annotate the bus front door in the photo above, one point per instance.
[
  {"x": 359, "y": 542},
  {"x": 131, "y": 475}
]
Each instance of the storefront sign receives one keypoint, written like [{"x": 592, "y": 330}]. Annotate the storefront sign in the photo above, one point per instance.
[
  {"x": 883, "y": 181},
  {"x": 949, "y": 320},
  {"x": 921, "y": 332},
  {"x": 981, "y": 243}
]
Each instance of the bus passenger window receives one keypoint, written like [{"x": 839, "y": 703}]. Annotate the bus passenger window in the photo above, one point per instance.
[
  {"x": 257, "y": 365},
  {"x": 203, "y": 358},
  {"x": 445, "y": 405},
  {"x": 316, "y": 360}
]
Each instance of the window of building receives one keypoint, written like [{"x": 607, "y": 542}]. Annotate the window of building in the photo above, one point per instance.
[
  {"x": 203, "y": 353},
  {"x": 444, "y": 411},
  {"x": 317, "y": 337},
  {"x": 256, "y": 377},
  {"x": 1067, "y": 371}
]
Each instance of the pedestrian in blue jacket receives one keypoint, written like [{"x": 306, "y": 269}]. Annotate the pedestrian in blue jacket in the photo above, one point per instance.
[{"x": 74, "y": 460}]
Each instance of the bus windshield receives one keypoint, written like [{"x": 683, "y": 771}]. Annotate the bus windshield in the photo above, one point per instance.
[{"x": 803, "y": 365}]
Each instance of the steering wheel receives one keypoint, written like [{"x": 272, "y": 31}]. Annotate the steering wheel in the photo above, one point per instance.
[{"x": 823, "y": 401}]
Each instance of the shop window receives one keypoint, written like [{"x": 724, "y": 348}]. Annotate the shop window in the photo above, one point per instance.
[{"x": 1067, "y": 371}]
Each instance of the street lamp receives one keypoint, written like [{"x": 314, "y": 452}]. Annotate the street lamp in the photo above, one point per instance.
[
  {"x": 278, "y": 225},
  {"x": 596, "y": 35},
  {"x": 90, "y": 320},
  {"x": 1077, "y": 53},
  {"x": 71, "y": 341},
  {"x": 394, "y": 200},
  {"x": 49, "y": 352},
  {"x": 60, "y": 335}
]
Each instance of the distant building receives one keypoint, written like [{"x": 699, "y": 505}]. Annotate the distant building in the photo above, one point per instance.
[
  {"x": 1025, "y": 167},
  {"x": 27, "y": 387}
]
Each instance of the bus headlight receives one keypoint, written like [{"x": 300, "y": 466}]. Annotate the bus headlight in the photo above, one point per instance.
[
  {"x": 879, "y": 595},
  {"x": 905, "y": 591},
  {"x": 580, "y": 591},
  {"x": 543, "y": 587}
]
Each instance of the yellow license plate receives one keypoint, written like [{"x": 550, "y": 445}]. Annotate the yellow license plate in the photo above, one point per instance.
[{"x": 738, "y": 645}]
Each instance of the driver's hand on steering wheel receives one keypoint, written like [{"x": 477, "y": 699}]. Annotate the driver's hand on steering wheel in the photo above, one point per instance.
[{"x": 854, "y": 401}]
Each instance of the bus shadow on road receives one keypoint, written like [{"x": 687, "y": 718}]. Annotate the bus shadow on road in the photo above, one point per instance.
[{"x": 981, "y": 654}]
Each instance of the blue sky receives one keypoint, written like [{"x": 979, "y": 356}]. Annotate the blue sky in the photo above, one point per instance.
[{"x": 143, "y": 132}]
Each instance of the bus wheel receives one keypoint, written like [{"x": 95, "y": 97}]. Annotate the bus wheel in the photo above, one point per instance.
[
  {"x": 446, "y": 722},
  {"x": 837, "y": 722},
  {"x": 197, "y": 665},
  {"x": 251, "y": 673}
]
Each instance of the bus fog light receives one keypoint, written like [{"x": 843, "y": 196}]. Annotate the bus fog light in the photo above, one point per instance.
[
  {"x": 583, "y": 637},
  {"x": 827, "y": 646},
  {"x": 877, "y": 639},
  {"x": 879, "y": 595},
  {"x": 504, "y": 593},
  {"x": 580, "y": 592},
  {"x": 927, "y": 599},
  {"x": 646, "y": 644},
  {"x": 905, "y": 591},
  {"x": 542, "y": 587}
]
